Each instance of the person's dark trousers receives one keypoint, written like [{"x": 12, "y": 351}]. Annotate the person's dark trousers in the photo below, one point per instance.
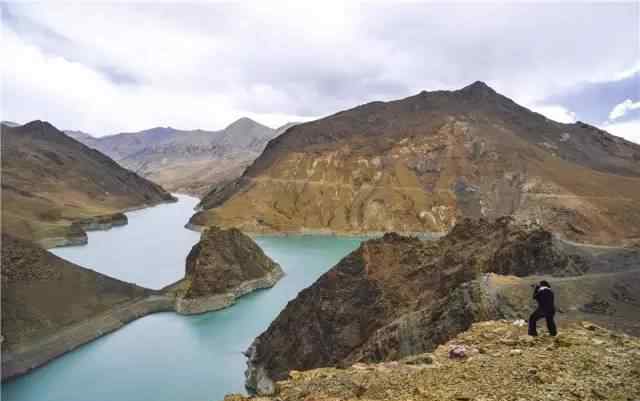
[{"x": 537, "y": 315}]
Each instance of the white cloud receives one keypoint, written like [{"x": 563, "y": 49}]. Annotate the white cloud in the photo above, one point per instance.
[
  {"x": 72, "y": 95},
  {"x": 629, "y": 130},
  {"x": 629, "y": 72},
  {"x": 556, "y": 113},
  {"x": 105, "y": 68},
  {"x": 623, "y": 108}
]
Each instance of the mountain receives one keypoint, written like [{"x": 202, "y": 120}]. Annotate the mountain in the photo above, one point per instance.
[
  {"x": 10, "y": 124},
  {"x": 397, "y": 296},
  {"x": 186, "y": 161},
  {"x": 422, "y": 163},
  {"x": 492, "y": 361},
  {"x": 53, "y": 186},
  {"x": 43, "y": 294}
]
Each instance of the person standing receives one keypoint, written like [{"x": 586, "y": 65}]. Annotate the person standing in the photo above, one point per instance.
[{"x": 546, "y": 309}]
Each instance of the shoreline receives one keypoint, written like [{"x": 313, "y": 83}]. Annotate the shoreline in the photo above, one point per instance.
[
  {"x": 37, "y": 353},
  {"x": 327, "y": 233},
  {"x": 211, "y": 303},
  {"x": 87, "y": 224},
  {"x": 420, "y": 234}
]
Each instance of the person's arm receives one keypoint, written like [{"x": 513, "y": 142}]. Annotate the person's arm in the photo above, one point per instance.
[{"x": 535, "y": 292}]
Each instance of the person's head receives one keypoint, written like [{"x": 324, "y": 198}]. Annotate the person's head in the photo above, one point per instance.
[{"x": 545, "y": 283}]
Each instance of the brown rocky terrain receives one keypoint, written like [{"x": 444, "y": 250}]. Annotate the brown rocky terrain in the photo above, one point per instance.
[
  {"x": 499, "y": 362},
  {"x": 222, "y": 266},
  {"x": 399, "y": 296},
  {"x": 43, "y": 294},
  {"x": 186, "y": 161},
  {"x": 422, "y": 163},
  {"x": 54, "y": 187}
]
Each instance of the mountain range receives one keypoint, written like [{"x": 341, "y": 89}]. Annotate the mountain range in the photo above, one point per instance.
[
  {"x": 186, "y": 161},
  {"x": 422, "y": 163}
]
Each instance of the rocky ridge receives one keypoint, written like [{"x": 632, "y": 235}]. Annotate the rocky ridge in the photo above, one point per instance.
[
  {"x": 423, "y": 163},
  {"x": 223, "y": 266},
  {"x": 492, "y": 361},
  {"x": 400, "y": 296}
]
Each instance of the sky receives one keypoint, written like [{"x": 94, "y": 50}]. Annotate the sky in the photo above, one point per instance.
[{"x": 105, "y": 68}]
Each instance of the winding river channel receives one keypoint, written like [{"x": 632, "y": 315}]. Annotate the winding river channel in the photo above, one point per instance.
[{"x": 165, "y": 356}]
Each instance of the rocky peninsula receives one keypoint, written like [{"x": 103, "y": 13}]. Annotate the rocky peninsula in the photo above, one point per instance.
[
  {"x": 223, "y": 266},
  {"x": 397, "y": 296},
  {"x": 52, "y": 306}
]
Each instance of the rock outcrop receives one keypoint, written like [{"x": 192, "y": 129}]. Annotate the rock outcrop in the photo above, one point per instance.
[
  {"x": 224, "y": 265},
  {"x": 54, "y": 187},
  {"x": 492, "y": 361},
  {"x": 423, "y": 163},
  {"x": 400, "y": 296}
]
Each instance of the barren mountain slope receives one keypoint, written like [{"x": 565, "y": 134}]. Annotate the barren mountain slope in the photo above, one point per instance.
[
  {"x": 50, "y": 181},
  {"x": 422, "y": 163},
  {"x": 186, "y": 161}
]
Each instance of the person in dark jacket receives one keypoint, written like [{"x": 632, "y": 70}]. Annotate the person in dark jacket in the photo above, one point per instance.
[{"x": 546, "y": 309}]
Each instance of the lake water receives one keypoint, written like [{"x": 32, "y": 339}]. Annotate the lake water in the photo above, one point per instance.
[
  {"x": 168, "y": 357},
  {"x": 149, "y": 251}
]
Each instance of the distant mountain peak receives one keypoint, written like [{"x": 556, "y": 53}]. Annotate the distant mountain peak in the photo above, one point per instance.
[
  {"x": 242, "y": 122},
  {"x": 43, "y": 125},
  {"x": 478, "y": 87}
]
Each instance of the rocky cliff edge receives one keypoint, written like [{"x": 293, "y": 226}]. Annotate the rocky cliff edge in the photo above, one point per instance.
[{"x": 493, "y": 360}]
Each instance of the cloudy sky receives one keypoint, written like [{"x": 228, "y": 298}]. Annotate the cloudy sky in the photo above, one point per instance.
[{"x": 106, "y": 68}]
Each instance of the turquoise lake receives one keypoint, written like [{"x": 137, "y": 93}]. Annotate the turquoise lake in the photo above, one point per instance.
[{"x": 165, "y": 356}]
